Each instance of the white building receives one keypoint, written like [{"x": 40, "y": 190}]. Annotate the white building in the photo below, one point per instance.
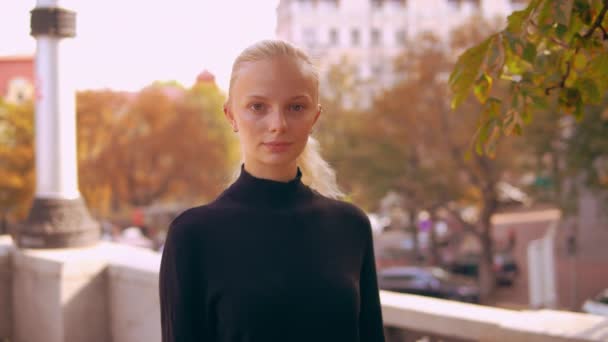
[{"x": 372, "y": 32}]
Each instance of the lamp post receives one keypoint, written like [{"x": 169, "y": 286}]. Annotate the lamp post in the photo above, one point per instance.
[{"x": 58, "y": 217}]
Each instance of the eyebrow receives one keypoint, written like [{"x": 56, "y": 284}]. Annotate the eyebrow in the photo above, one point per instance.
[{"x": 261, "y": 97}]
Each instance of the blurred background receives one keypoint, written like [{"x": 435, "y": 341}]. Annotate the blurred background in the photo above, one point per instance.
[{"x": 151, "y": 79}]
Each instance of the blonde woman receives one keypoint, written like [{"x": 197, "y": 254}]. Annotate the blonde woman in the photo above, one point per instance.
[{"x": 276, "y": 257}]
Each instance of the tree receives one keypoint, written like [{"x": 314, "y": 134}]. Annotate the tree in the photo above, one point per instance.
[
  {"x": 440, "y": 172},
  {"x": 411, "y": 142},
  {"x": 97, "y": 113},
  {"x": 165, "y": 143},
  {"x": 16, "y": 160},
  {"x": 339, "y": 131},
  {"x": 553, "y": 51}
]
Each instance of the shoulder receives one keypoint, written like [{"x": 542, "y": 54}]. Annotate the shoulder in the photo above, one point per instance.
[
  {"x": 345, "y": 210},
  {"x": 192, "y": 222}
]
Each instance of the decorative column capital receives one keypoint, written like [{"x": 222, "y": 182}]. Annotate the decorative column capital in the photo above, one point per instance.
[{"x": 53, "y": 21}]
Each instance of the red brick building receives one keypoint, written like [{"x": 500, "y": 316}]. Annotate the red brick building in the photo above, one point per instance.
[{"x": 17, "y": 78}]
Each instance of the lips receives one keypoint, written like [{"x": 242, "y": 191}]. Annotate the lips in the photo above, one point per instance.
[
  {"x": 277, "y": 146},
  {"x": 277, "y": 143}
]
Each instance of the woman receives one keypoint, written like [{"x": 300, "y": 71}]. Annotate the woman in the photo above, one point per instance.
[{"x": 272, "y": 259}]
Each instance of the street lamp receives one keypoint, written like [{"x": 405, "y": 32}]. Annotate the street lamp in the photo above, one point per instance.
[{"x": 58, "y": 217}]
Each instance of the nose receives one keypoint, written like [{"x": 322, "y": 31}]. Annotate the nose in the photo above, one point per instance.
[{"x": 278, "y": 121}]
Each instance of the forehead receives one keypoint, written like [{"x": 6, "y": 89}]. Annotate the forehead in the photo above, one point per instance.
[{"x": 275, "y": 77}]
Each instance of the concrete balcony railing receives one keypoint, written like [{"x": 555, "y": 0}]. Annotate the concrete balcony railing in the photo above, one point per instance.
[{"x": 110, "y": 293}]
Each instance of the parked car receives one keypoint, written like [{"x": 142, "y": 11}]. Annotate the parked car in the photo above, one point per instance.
[
  {"x": 505, "y": 267},
  {"x": 428, "y": 281},
  {"x": 597, "y": 305}
]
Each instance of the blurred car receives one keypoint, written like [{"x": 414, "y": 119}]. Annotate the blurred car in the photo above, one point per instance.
[
  {"x": 597, "y": 305},
  {"x": 428, "y": 281},
  {"x": 505, "y": 267}
]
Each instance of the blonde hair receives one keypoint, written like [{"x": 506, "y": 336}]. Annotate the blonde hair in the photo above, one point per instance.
[{"x": 316, "y": 172}]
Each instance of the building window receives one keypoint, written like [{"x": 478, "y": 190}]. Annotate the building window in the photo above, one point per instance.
[
  {"x": 457, "y": 4},
  {"x": 454, "y": 4},
  {"x": 397, "y": 3},
  {"x": 334, "y": 38},
  {"x": 333, "y": 3},
  {"x": 376, "y": 4},
  {"x": 400, "y": 37},
  {"x": 376, "y": 37},
  {"x": 355, "y": 37}
]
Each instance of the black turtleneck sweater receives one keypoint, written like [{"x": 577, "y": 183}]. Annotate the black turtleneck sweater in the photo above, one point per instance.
[{"x": 270, "y": 261}]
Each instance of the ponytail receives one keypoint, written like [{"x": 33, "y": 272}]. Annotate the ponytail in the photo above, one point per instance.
[{"x": 316, "y": 172}]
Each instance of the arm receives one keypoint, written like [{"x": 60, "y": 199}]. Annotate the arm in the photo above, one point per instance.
[
  {"x": 179, "y": 282},
  {"x": 370, "y": 319}
]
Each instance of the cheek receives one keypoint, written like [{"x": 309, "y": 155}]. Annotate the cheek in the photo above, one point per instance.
[
  {"x": 251, "y": 122},
  {"x": 304, "y": 126}
]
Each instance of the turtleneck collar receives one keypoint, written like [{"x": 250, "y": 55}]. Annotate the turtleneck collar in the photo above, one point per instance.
[{"x": 263, "y": 192}]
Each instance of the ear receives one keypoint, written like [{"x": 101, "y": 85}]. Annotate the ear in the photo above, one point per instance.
[
  {"x": 228, "y": 114},
  {"x": 319, "y": 110}
]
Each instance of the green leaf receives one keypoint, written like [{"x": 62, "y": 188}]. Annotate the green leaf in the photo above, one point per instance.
[
  {"x": 561, "y": 30},
  {"x": 545, "y": 16},
  {"x": 580, "y": 61},
  {"x": 555, "y": 12},
  {"x": 481, "y": 136},
  {"x": 515, "y": 44},
  {"x": 492, "y": 108},
  {"x": 517, "y": 130},
  {"x": 582, "y": 10},
  {"x": 525, "y": 114},
  {"x": 466, "y": 70},
  {"x": 490, "y": 149},
  {"x": 576, "y": 25},
  {"x": 570, "y": 99},
  {"x": 578, "y": 110},
  {"x": 478, "y": 147},
  {"x": 495, "y": 58},
  {"x": 589, "y": 91},
  {"x": 539, "y": 102},
  {"x": 597, "y": 69},
  {"x": 482, "y": 87},
  {"x": 529, "y": 53},
  {"x": 513, "y": 50},
  {"x": 511, "y": 121},
  {"x": 571, "y": 79},
  {"x": 484, "y": 133},
  {"x": 517, "y": 20}
]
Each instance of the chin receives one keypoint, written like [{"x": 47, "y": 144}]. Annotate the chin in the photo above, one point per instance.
[
  {"x": 278, "y": 160},
  {"x": 282, "y": 158}
]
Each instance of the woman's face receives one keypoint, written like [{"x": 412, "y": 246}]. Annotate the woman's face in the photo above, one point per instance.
[{"x": 274, "y": 105}]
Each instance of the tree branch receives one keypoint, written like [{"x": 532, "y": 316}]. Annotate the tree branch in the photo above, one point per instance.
[
  {"x": 559, "y": 42},
  {"x": 598, "y": 22},
  {"x": 562, "y": 83},
  {"x": 454, "y": 150},
  {"x": 604, "y": 32},
  {"x": 465, "y": 225}
]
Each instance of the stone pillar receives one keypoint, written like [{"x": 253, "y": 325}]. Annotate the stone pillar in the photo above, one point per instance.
[
  {"x": 6, "y": 288},
  {"x": 59, "y": 217}
]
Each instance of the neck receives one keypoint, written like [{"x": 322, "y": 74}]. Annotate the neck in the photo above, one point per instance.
[{"x": 279, "y": 173}]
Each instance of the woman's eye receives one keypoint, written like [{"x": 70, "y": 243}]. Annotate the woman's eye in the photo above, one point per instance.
[
  {"x": 257, "y": 107},
  {"x": 297, "y": 107}
]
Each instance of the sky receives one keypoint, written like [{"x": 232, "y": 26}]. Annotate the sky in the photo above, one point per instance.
[{"x": 128, "y": 44}]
